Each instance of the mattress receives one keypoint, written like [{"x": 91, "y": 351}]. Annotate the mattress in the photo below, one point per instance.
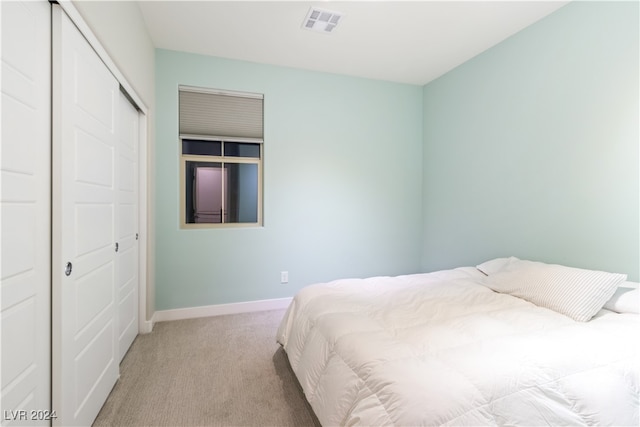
[{"x": 444, "y": 349}]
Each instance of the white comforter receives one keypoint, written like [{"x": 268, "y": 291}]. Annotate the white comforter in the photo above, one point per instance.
[{"x": 441, "y": 349}]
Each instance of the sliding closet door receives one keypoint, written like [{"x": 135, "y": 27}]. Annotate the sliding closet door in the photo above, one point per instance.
[
  {"x": 85, "y": 140},
  {"x": 25, "y": 293},
  {"x": 127, "y": 224}
]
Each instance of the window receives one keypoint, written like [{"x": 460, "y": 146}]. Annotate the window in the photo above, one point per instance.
[{"x": 221, "y": 158}]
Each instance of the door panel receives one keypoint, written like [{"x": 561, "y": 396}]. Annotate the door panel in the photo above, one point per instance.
[
  {"x": 25, "y": 287},
  {"x": 96, "y": 166},
  {"x": 85, "y": 352}
]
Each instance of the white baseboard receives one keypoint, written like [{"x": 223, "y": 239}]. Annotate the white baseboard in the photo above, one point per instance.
[
  {"x": 146, "y": 326},
  {"x": 221, "y": 309}
]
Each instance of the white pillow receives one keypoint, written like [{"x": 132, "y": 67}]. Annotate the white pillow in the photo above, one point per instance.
[
  {"x": 626, "y": 299},
  {"x": 495, "y": 265},
  {"x": 574, "y": 292}
]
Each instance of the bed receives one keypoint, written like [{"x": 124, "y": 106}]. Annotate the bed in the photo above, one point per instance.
[{"x": 507, "y": 342}]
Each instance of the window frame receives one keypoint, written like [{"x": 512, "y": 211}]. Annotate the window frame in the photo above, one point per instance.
[{"x": 222, "y": 159}]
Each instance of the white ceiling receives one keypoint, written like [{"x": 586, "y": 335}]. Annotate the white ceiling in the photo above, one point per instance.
[{"x": 401, "y": 41}]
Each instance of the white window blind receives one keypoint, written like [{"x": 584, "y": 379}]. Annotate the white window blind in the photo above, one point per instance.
[{"x": 221, "y": 114}]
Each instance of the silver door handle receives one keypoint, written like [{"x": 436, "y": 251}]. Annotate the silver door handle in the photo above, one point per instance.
[{"x": 67, "y": 269}]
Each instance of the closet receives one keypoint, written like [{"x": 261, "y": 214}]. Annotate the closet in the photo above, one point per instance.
[{"x": 71, "y": 220}]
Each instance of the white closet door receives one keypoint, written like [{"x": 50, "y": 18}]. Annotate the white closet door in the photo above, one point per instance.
[
  {"x": 85, "y": 329},
  {"x": 127, "y": 224},
  {"x": 25, "y": 294}
]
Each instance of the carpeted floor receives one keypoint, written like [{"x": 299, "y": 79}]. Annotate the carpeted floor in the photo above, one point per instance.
[{"x": 214, "y": 371}]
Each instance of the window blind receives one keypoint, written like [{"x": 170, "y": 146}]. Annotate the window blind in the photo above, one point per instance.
[{"x": 221, "y": 114}]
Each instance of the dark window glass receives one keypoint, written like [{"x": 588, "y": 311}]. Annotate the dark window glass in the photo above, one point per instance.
[
  {"x": 204, "y": 192},
  {"x": 242, "y": 149},
  {"x": 242, "y": 192},
  {"x": 208, "y": 182},
  {"x": 201, "y": 148}
]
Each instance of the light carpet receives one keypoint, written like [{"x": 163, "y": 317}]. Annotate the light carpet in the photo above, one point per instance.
[{"x": 214, "y": 371}]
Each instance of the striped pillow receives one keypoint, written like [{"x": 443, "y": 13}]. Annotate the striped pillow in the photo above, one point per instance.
[{"x": 574, "y": 292}]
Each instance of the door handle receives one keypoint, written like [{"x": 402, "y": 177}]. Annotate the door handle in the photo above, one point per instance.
[{"x": 68, "y": 268}]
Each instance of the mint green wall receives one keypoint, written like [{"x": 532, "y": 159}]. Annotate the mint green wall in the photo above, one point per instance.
[
  {"x": 342, "y": 184},
  {"x": 531, "y": 148}
]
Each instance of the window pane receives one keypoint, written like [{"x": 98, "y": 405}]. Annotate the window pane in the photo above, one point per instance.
[
  {"x": 201, "y": 147},
  {"x": 242, "y": 197},
  {"x": 242, "y": 149},
  {"x": 204, "y": 192}
]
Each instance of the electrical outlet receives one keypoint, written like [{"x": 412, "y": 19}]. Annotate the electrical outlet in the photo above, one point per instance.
[{"x": 284, "y": 277}]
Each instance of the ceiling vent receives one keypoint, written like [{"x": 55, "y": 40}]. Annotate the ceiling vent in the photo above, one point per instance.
[{"x": 324, "y": 21}]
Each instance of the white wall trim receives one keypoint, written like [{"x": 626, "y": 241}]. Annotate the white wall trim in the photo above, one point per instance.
[
  {"x": 143, "y": 224},
  {"x": 145, "y": 326},
  {"x": 221, "y": 309}
]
